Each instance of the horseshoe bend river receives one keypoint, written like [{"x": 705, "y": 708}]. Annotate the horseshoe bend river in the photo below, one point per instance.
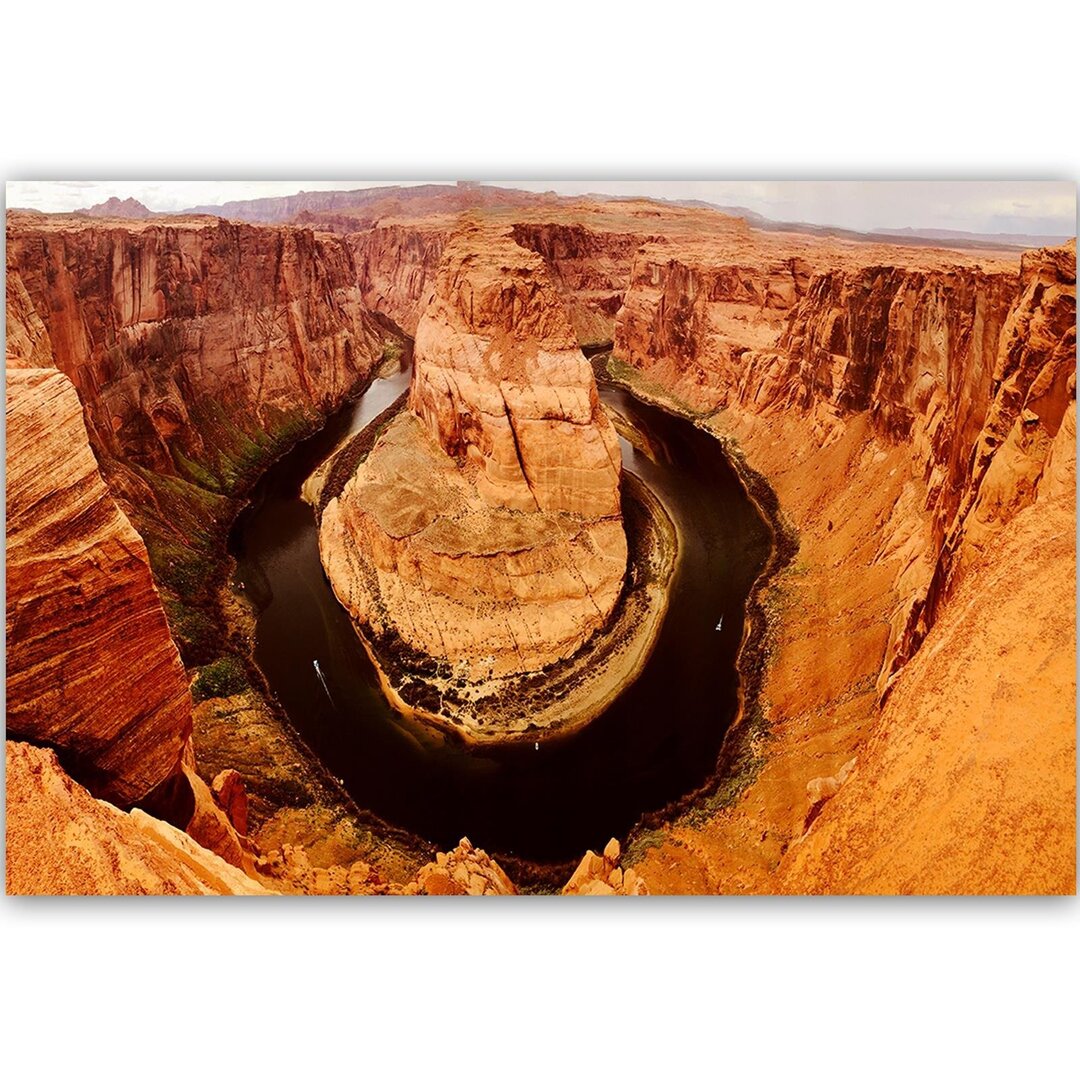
[{"x": 659, "y": 740}]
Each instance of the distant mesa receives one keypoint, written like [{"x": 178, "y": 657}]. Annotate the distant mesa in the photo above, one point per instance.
[{"x": 118, "y": 208}]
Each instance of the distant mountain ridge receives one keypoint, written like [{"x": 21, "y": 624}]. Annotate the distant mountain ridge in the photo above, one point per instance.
[
  {"x": 308, "y": 205},
  {"x": 118, "y": 208},
  {"x": 348, "y": 209},
  {"x": 1026, "y": 240}
]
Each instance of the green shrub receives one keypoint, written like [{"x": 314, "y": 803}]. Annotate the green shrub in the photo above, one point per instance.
[{"x": 222, "y": 678}]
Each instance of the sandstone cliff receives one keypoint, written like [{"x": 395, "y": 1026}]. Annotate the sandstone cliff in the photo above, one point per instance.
[
  {"x": 943, "y": 358},
  {"x": 192, "y": 342},
  {"x": 591, "y": 267},
  {"x": 906, "y": 411},
  {"x": 200, "y": 350},
  {"x": 913, "y": 409},
  {"x": 1031, "y": 416},
  {"x": 396, "y": 266},
  {"x": 484, "y": 529},
  {"x": 968, "y": 784},
  {"x": 91, "y": 668}
]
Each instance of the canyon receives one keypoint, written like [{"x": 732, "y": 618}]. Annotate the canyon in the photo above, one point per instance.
[{"x": 905, "y": 414}]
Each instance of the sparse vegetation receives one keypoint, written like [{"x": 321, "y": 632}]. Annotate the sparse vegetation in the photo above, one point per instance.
[
  {"x": 223, "y": 678},
  {"x": 392, "y": 351},
  {"x": 193, "y": 631}
]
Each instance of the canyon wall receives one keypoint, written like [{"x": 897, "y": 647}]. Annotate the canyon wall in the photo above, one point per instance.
[
  {"x": 915, "y": 415},
  {"x": 200, "y": 350},
  {"x": 91, "y": 668},
  {"x": 694, "y": 309},
  {"x": 396, "y": 266},
  {"x": 590, "y": 266},
  {"x": 1030, "y": 419},
  {"x": 913, "y": 410},
  {"x": 968, "y": 783},
  {"x": 945, "y": 359},
  {"x": 192, "y": 342},
  {"x": 397, "y": 262}
]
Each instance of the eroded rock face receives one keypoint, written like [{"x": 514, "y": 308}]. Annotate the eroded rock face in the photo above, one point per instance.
[
  {"x": 968, "y": 784},
  {"x": 590, "y": 266},
  {"x": 484, "y": 529},
  {"x": 1031, "y": 416},
  {"x": 193, "y": 342},
  {"x": 396, "y": 266},
  {"x": 694, "y": 310},
  {"x": 91, "y": 668},
  {"x": 63, "y": 841},
  {"x": 968, "y": 365},
  {"x": 500, "y": 380}
]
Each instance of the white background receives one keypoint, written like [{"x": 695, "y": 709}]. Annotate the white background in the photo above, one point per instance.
[{"x": 668, "y": 988}]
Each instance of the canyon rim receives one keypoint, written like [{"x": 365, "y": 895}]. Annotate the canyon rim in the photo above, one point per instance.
[{"x": 462, "y": 539}]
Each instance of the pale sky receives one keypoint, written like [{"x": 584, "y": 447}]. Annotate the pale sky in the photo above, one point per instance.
[{"x": 1008, "y": 206}]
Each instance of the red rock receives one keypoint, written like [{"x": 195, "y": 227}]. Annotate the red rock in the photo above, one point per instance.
[
  {"x": 91, "y": 668},
  {"x": 231, "y": 795},
  {"x": 484, "y": 528}
]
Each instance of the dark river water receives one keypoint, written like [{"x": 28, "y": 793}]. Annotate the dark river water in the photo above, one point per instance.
[{"x": 657, "y": 742}]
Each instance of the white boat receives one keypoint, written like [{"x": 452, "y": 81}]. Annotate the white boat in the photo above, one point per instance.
[{"x": 322, "y": 679}]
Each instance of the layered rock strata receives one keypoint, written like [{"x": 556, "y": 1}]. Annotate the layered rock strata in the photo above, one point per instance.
[
  {"x": 91, "y": 668},
  {"x": 918, "y": 425},
  {"x": 945, "y": 359},
  {"x": 189, "y": 341},
  {"x": 484, "y": 530}
]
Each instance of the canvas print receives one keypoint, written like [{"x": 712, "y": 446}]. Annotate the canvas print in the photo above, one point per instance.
[{"x": 598, "y": 538}]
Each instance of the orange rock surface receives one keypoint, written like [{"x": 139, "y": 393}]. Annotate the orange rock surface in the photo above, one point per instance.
[
  {"x": 61, "y": 840},
  {"x": 196, "y": 345},
  {"x": 882, "y": 510},
  {"x": 968, "y": 784},
  {"x": 91, "y": 668},
  {"x": 484, "y": 528},
  {"x": 912, "y": 408}
]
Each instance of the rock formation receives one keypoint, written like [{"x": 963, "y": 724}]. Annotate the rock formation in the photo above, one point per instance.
[
  {"x": 968, "y": 784},
  {"x": 906, "y": 409},
  {"x": 484, "y": 529},
  {"x": 192, "y": 342},
  {"x": 396, "y": 266},
  {"x": 117, "y": 208},
  {"x": 91, "y": 668},
  {"x": 465, "y": 871},
  {"x": 591, "y": 267},
  {"x": 913, "y": 409},
  {"x": 61, "y": 840},
  {"x": 940, "y": 356},
  {"x": 601, "y": 875},
  {"x": 1032, "y": 392},
  {"x": 200, "y": 350}
]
